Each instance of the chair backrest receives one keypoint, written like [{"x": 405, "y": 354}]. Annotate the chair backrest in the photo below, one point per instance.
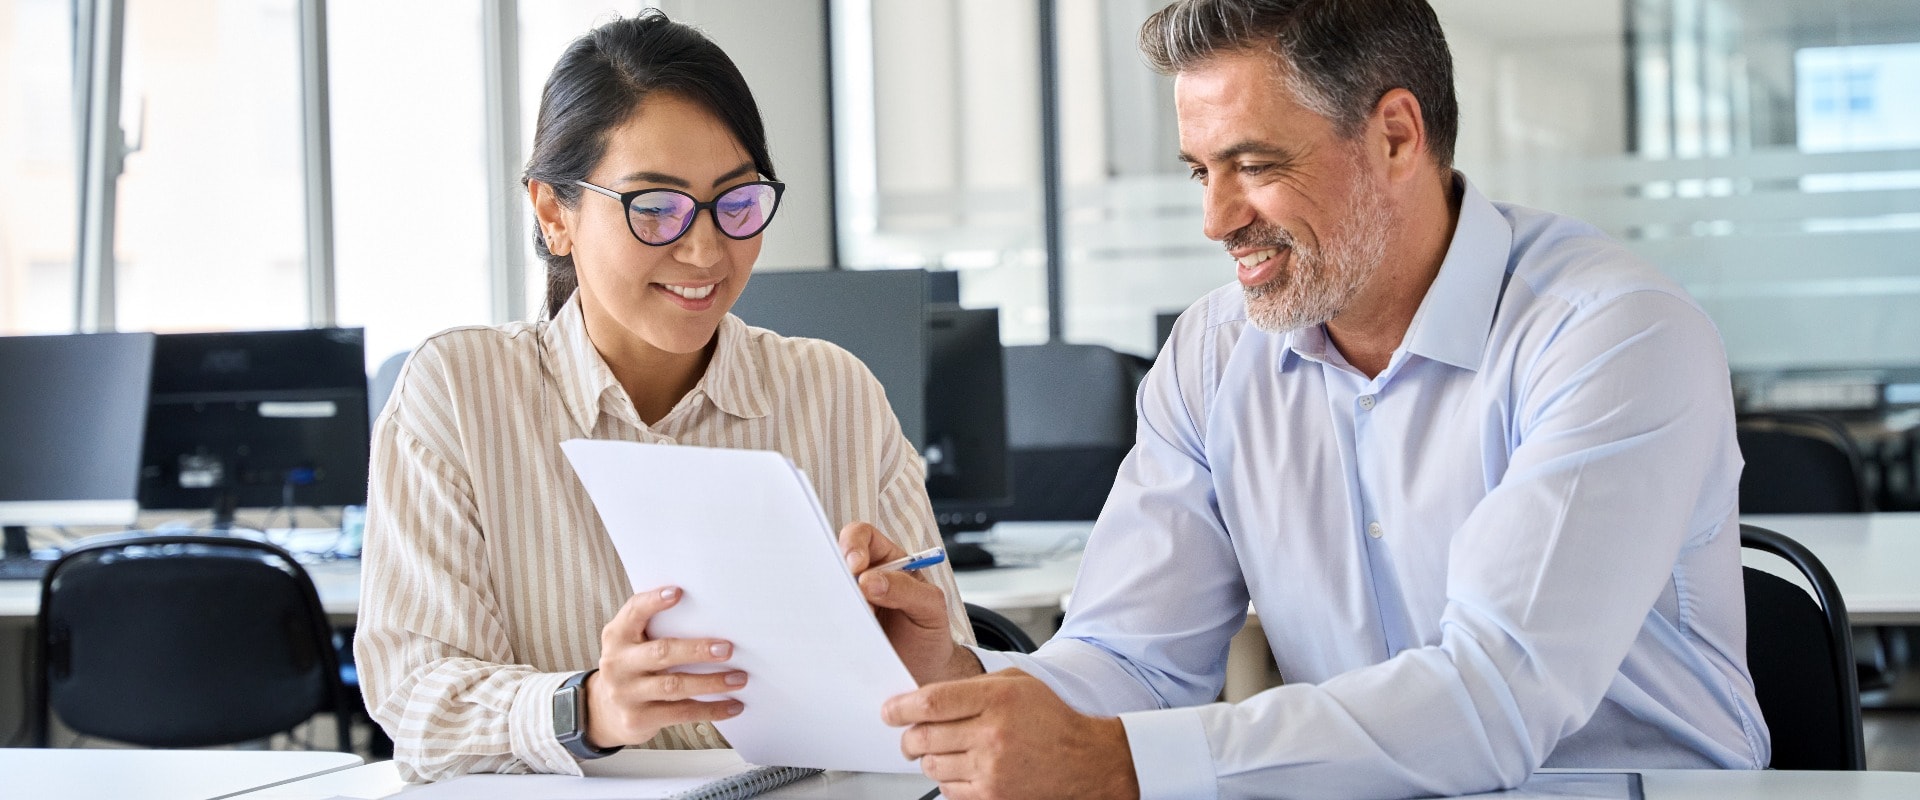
[
  {"x": 992, "y": 630},
  {"x": 183, "y": 641},
  {"x": 1799, "y": 464},
  {"x": 1070, "y": 421},
  {"x": 380, "y": 387},
  {"x": 1800, "y": 649}
]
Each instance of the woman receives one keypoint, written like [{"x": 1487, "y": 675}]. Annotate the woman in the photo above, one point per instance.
[{"x": 495, "y": 612}]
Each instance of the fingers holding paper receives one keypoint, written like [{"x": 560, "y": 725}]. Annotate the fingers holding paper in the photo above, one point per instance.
[
  {"x": 911, "y": 610},
  {"x": 636, "y": 692},
  {"x": 1006, "y": 735}
]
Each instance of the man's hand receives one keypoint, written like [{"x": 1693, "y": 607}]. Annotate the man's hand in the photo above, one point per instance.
[
  {"x": 1006, "y": 735},
  {"x": 912, "y": 611}
]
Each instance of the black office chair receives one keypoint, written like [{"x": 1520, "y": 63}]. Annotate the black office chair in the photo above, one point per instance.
[
  {"x": 183, "y": 641},
  {"x": 1801, "y": 652},
  {"x": 992, "y": 630},
  {"x": 1799, "y": 464},
  {"x": 1070, "y": 421}
]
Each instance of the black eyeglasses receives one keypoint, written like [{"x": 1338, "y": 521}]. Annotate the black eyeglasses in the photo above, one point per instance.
[{"x": 661, "y": 216}]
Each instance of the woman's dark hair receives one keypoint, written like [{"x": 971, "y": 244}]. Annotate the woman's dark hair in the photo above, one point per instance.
[
  {"x": 1341, "y": 56},
  {"x": 597, "y": 85}
]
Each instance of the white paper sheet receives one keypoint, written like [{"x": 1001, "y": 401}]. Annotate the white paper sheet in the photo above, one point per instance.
[{"x": 743, "y": 534}]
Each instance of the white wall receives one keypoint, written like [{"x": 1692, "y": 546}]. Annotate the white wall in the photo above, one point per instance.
[{"x": 781, "y": 48}]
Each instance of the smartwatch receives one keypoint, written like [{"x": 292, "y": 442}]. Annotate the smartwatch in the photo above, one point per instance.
[{"x": 570, "y": 718}]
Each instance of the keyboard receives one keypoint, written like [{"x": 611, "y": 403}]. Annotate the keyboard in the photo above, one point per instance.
[{"x": 23, "y": 569}]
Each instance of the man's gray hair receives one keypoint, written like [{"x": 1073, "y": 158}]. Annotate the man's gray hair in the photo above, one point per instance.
[{"x": 1338, "y": 57}]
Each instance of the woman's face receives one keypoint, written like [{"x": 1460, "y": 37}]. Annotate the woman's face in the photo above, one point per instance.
[{"x": 667, "y": 298}]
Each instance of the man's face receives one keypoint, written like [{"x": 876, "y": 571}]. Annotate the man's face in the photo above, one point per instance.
[{"x": 1297, "y": 207}]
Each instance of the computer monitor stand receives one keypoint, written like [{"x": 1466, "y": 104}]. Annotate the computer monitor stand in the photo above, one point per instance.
[
  {"x": 16, "y": 544},
  {"x": 964, "y": 556},
  {"x": 225, "y": 502}
]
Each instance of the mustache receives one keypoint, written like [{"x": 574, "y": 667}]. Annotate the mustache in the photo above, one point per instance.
[{"x": 1259, "y": 237}]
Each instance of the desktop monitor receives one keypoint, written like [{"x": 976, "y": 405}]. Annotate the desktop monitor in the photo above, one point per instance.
[
  {"x": 877, "y": 315},
  {"x": 256, "y": 419},
  {"x": 941, "y": 366},
  {"x": 72, "y": 409},
  {"x": 966, "y": 449}
]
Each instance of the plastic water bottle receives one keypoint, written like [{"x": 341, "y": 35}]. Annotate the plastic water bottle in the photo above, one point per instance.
[{"x": 353, "y": 526}]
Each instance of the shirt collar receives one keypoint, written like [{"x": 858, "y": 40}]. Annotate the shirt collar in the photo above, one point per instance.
[
  {"x": 732, "y": 382},
  {"x": 583, "y": 377},
  {"x": 1456, "y": 315},
  {"x": 734, "y": 379}
]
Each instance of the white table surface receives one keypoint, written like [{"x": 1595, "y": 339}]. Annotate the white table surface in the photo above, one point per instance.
[
  {"x": 101, "y": 774},
  {"x": 1875, "y": 558},
  {"x": 1040, "y": 572},
  {"x": 383, "y": 780}
]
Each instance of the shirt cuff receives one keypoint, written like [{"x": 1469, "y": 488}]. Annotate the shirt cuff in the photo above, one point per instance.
[
  {"x": 1171, "y": 758},
  {"x": 992, "y": 660},
  {"x": 530, "y": 723}
]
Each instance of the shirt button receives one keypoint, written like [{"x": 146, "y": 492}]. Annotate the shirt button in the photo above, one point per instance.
[
  {"x": 706, "y": 729},
  {"x": 1366, "y": 402},
  {"x": 1374, "y": 530}
]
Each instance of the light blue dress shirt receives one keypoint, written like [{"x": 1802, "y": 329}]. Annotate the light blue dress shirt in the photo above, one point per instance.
[{"x": 1516, "y": 546}]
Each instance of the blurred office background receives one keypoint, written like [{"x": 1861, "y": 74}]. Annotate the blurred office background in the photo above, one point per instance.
[
  {"x": 355, "y": 162},
  {"x": 198, "y": 165}
]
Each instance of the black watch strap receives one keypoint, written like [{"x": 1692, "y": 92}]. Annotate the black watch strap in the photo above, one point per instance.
[{"x": 570, "y": 718}]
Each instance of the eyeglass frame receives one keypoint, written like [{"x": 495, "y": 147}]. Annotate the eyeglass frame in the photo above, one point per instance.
[{"x": 711, "y": 207}]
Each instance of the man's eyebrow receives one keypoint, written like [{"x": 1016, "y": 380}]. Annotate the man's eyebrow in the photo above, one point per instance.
[
  {"x": 648, "y": 176},
  {"x": 1247, "y": 147}
]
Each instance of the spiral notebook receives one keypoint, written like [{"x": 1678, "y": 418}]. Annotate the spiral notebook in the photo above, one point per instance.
[{"x": 631, "y": 774}]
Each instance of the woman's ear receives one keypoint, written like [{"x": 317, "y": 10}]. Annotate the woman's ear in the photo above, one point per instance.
[{"x": 555, "y": 220}]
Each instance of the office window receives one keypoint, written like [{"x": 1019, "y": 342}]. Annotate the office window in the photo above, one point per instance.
[
  {"x": 38, "y": 208},
  {"x": 210, "y": 232},
  {"x": 546, "y": 29},
  {"x": 409, "y": 170},
  {"x": 937, "y": 128},
  {"x": 1774, "y": 173},
  {"x": 1857, "y": 98}
]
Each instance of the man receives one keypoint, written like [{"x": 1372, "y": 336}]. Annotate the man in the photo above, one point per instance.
[{"x": 1473, "y": 465}]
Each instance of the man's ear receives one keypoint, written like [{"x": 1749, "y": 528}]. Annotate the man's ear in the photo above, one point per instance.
[
  {"x": 1400, "y": 133},
  {"x": 555, "y": 220}
]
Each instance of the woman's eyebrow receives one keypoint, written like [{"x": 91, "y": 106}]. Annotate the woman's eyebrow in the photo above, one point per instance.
[{"x": 649, "y": 176}]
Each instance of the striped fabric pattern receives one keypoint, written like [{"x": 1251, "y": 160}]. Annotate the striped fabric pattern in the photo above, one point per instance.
[{"x": 487, "y": 573}]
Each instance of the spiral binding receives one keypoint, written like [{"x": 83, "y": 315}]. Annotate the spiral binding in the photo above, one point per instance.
[{"x": 747, "y": 784}]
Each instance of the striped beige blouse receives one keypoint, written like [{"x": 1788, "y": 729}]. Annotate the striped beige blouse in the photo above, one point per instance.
[{"x": 488, "y": 575}]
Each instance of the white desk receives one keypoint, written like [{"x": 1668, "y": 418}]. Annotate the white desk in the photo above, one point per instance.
[
  {"x": 1875, "y": 558},
  {"x": 93, "y": 774},
  {"x": 383, "y": 780},
  {"x": 1028, "y": 583}
]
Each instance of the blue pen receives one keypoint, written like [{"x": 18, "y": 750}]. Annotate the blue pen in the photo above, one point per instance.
[{"x": 920, "y": 560}]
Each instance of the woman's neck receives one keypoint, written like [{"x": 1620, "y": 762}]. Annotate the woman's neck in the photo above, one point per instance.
[{"x": 655, "y": 379}]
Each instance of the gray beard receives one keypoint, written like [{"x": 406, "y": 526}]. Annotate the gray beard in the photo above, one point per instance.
[{"x": 1318, "y": 283}]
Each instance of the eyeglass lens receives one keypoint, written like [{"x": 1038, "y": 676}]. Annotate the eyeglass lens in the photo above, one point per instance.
[{"x": 661, "y": 216}]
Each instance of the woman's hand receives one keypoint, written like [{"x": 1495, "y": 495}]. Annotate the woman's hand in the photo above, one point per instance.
[
  {"x": 633, "y": 695},
  {"x": 912, "y": 611}
]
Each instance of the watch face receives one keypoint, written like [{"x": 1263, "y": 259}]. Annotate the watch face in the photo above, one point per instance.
[{"x": 564, "y": 702}]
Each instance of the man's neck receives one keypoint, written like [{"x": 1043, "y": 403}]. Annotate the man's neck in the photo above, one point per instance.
[{"x": 1372, "y": 327}]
